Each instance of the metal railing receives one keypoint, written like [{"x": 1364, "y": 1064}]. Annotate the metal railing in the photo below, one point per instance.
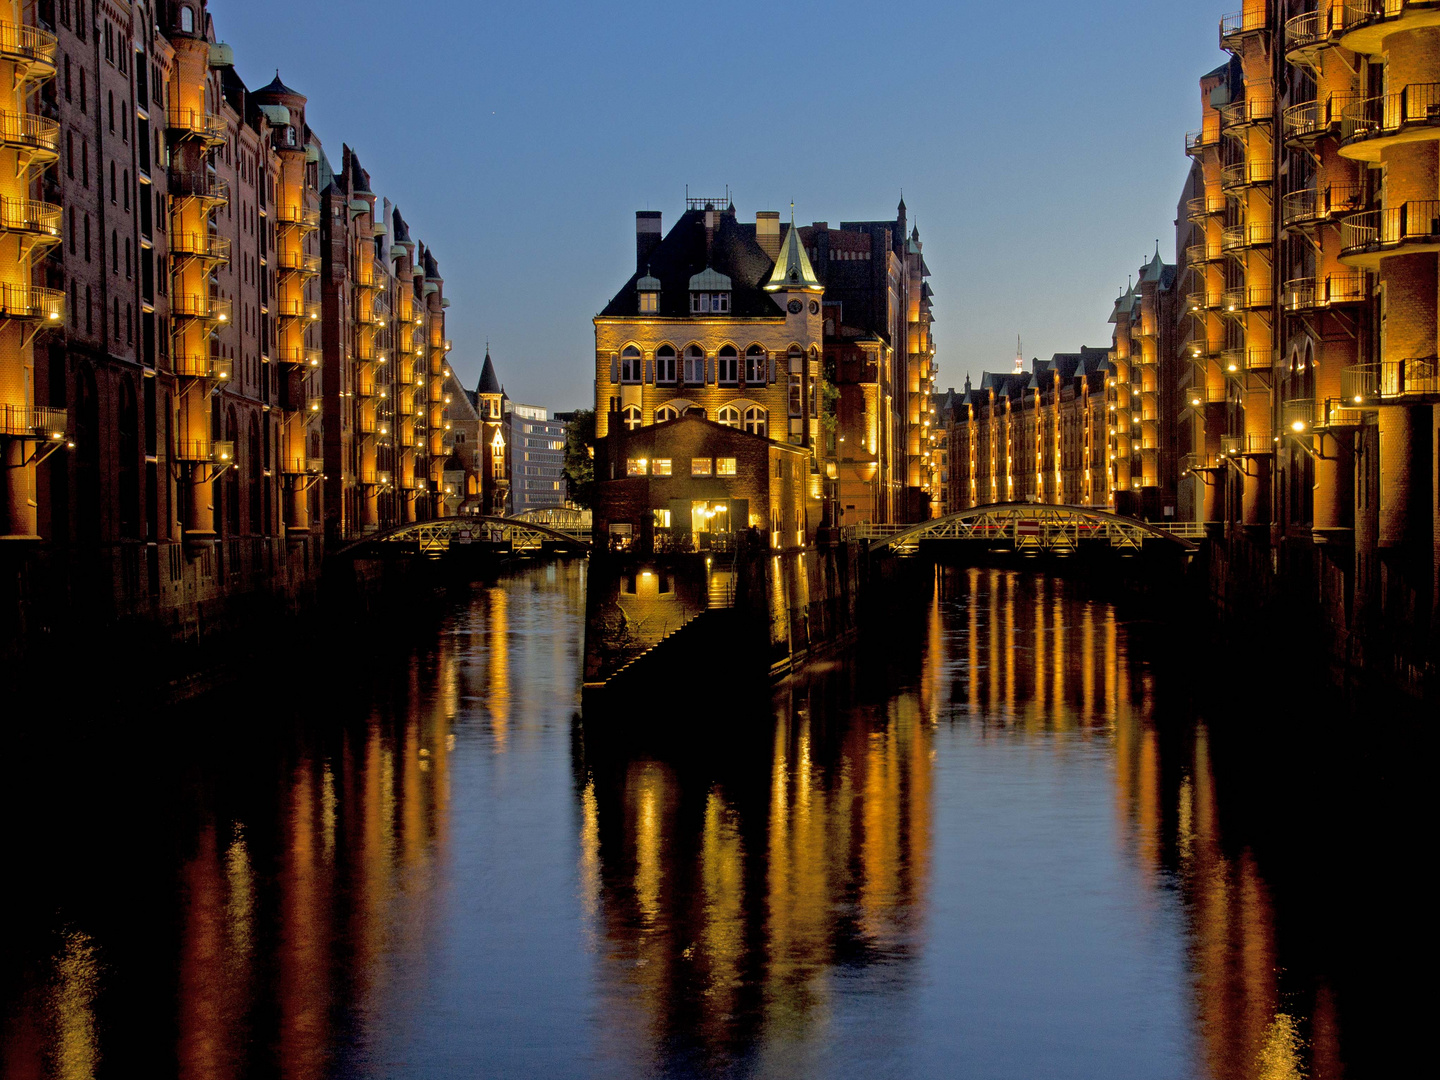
[
  {"x": 293, "y": 354},
  {"x": 31, "y": 302},
  {"x": 1247, "y": 298},
  {"x": 1260, "y": 171},
  {"x": 27, "y": 45},
  {"x": 1374, "y": 383},
  {"x": 27, "y": 132},
  {"x": 30, "y": 216},
  {"x": 200, "y": 245},
  {"x": 1242, "y": 445},
  {"x": 1316, "y": 28},
  {"x": 198, "y": 184},
  {"x": 197, "y": 122},
  {"x": 38, "y": 421},
  {"x": 1203, "y": 139},
  {"x": 1202, "y": 206},
  {"x": 1247, "y": 359},
  {"x": 201, "y": 366},
  {"x": 1196, "y": 462},
  {"x": 1311, "y": 205},
  {"x": 1196, "y": 254},
  {"x": 1417, "y": 221},
  {"x": 1253, "y": 234},
  {"x": 302, "y": 216},
  {"x": 297, "y": 262},
  {"x": 200, "y": 307},
  {"x": 1371, "y": 118},
  {"x": 1254, "y": 19},
  {"x": 1245, "y": 113},
  {"x": 295, "y": 309},
  {"x": 1199, "y": 396}
]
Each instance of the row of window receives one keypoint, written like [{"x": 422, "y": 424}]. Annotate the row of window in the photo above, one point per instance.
[
  {"x": 700, "y": 466},
  {"x": 755, "y": 419}
]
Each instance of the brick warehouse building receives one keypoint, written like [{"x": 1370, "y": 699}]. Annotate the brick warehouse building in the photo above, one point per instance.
[{"x": 180, "y": 374}]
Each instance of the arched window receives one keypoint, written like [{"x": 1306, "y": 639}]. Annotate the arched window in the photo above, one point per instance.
[
  {"x": 756, "y": 421},
  {"x": 729, "y": 416},
  {"x": 187, "y": 21},
  {"x": 695, "y": 410},
  {"x": 694, "y": 365},
  {"x": 728, "y": 366},
  {"x": 757, "y": 367},
  {"x": 797, "y": 385},
  {"x": 630, "y": 364},
  {"x": 630, "y": 417},
  {"x": 665, "y": 364},
  {"x": 666, "y": 412}
]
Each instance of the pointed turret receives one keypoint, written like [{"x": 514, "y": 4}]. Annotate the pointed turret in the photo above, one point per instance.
[
  {"x": 489, "y": 383},
  {"x": 793, "y": 272}
]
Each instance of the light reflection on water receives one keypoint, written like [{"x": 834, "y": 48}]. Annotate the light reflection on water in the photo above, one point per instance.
[{"x": 995, "y": 850}]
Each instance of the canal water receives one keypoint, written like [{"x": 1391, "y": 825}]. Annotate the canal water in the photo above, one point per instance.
[{"x": 1015, "y": 835}]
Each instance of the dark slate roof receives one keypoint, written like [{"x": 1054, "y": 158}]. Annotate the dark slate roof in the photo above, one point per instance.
[
  {"x": 359, "y": 178},
  {"x": 432, "y": 268},
  {"x": 275, "y": 86},
  {"x": 402, "y": 230},
  {"x": 1005, "y": 384},
  {"x": 489, "y": 384},
  {"x": 681, "y": 255}
]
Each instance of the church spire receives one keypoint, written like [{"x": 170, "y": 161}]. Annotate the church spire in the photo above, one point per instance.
[{"x": 792, "y": 268}]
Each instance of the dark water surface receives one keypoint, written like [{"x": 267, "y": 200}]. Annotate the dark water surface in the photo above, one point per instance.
[{"x": 998, "y": 842}]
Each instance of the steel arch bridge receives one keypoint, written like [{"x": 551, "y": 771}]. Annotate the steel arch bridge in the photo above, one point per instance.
[
  {"x": 1036, "y": 528},
  {"x": 439, "y": 536}
]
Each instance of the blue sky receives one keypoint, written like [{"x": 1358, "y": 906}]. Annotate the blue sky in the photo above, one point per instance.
[{"x": 1040, "y": 146}]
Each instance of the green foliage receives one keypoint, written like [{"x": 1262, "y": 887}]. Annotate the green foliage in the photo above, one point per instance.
[{"x": 579, "y": 467}]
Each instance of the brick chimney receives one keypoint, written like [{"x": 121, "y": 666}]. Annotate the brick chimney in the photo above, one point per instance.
[
  {"x": 767, "y": 232},
  {"x": 647, "y": 237}
]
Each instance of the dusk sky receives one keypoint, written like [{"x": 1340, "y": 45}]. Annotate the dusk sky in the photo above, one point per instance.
[{"x": 1040, "y": 146}]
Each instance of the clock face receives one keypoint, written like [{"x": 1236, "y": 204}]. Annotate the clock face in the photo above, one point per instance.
[
  {"x": 814, "y": 307},
  {"x": 795, "y": 307}
]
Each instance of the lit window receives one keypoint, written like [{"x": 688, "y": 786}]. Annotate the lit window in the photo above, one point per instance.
[
  {"x": 795, "y": 404},
  {"x": 729, "y": 416},
  {"x": 630, "y": 365},
  {"x": 666, "y": 412},
  {"x": 665, "y": 364},
  {"x": 700, "y": 466},
  {"x": 694, "y": 365},
  {"x": 635, "y": 466},
  {"x": 756, "y": 420},
  {"x": 662, "y": 519},
  {"x": 728, "y": 366},
  {"x": 631, "y": 417},
  {"x": 660, "y": 466},
  {"x": 649, "y": 303},
  {"x": 725, "y": 466},
  {"x": 757, "y": 366}
]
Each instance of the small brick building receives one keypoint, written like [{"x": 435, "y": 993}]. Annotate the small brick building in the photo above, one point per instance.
[{"x": 690, "y": 484}]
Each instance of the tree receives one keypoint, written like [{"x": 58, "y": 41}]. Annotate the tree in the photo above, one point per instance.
[{"x": 579, "y": 463}]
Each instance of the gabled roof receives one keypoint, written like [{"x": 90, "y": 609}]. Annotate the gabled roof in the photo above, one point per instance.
[{"x": 792, "y": 268}]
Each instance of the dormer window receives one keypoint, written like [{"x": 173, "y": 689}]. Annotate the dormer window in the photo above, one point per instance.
[
  {"x": 709, "y": 303},
  {"x": 648, "y": 289},
  {"x": 710, "y": 293}
]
